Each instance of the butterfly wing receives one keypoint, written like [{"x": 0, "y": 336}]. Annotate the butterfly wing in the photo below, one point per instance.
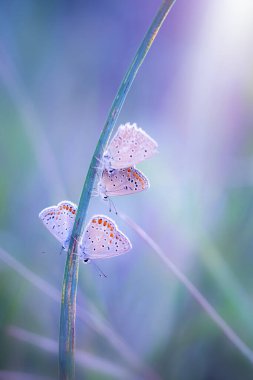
[
  {"x": 129, "y": 146},
  {"x": 59, "y": 220},
  {"x": 122, "y": 182},
  {"x": 103, "y": 240}
]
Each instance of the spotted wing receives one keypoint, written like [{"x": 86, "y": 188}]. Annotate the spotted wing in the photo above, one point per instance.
[
  {"x": 129, "y": 146},
  {"x": 123, "y": 182},
  {"x": 103, "y": 240},
  {"x": 59, "y": 220}
]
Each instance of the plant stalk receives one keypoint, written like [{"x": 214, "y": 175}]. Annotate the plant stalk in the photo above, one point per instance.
[{"x": 70, "y": 280}]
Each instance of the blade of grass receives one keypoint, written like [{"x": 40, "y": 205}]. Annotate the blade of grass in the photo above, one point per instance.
[
  {"x": 15, "y": 375},
  {"x": 45, "y": 155},
  {"x": 84, "y": 359},
  {"x": 202, "y": 247},
  {"x": 31, "y": 124},
  {"x": 92, "y": 318},
  {"x": 70, "y": 280},
  {"x": 196, "y": 294}
]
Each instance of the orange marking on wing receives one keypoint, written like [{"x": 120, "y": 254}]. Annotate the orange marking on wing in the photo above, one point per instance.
[
  {"x": 94, "y": 221},
  {"x": 67, "y": 207},
  {"x": 105, "y": 223},
  {"x": 142, "y": 182},
  {"x": 129, "y": 170},
  {"x": 140, "y": 179},
  {"x": 111, "y": 235},
  {"x": 99, "y": 221},
  {"x": 73, "y": 212}
]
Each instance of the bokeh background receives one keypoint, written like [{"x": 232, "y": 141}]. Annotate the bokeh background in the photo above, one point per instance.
[{"x": 61, "y": 63}]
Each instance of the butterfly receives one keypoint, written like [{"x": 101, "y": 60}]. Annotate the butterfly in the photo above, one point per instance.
[
  {"x": 129, "y": 146},
  {"x": 121, "y": 182},
  {"x": 59, "y": 220},
  {"x": 101, "y": 240}
]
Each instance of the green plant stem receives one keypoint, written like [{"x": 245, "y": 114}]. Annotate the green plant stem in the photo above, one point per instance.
[{"x": 70, "y": 280}]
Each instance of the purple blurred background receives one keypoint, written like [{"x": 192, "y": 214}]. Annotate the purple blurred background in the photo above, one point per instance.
[{"x": 61, "y": 64}]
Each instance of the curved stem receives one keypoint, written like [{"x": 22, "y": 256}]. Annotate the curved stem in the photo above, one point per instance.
[{"x": 70, "y": 280}]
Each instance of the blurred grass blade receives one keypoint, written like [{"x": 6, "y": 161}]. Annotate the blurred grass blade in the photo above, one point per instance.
[
  {"x": 70, "y": 280},
  {"x": 197, "y": 295},
  {"x": 15, "y": 375},
  {"x": 103, "y": 327},
  {"x": 92, "y": 318},
  {"x": 84, "y": 359},
  {"x": 42, "y": 151},
  {"x": 30, "y": 276}
]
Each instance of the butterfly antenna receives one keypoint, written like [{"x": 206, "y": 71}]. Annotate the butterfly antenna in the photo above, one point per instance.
[
  {"x": 101, "y": 273},
  {"x": 111, "y": 204},
  {"x": 62, "y": 249}
]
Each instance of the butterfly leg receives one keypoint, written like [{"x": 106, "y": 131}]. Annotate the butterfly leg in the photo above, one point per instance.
[
  {"x": 94, "y": 192},
  {"x": 101, "y": 273},
  {"x": 62, "y": 249}
]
